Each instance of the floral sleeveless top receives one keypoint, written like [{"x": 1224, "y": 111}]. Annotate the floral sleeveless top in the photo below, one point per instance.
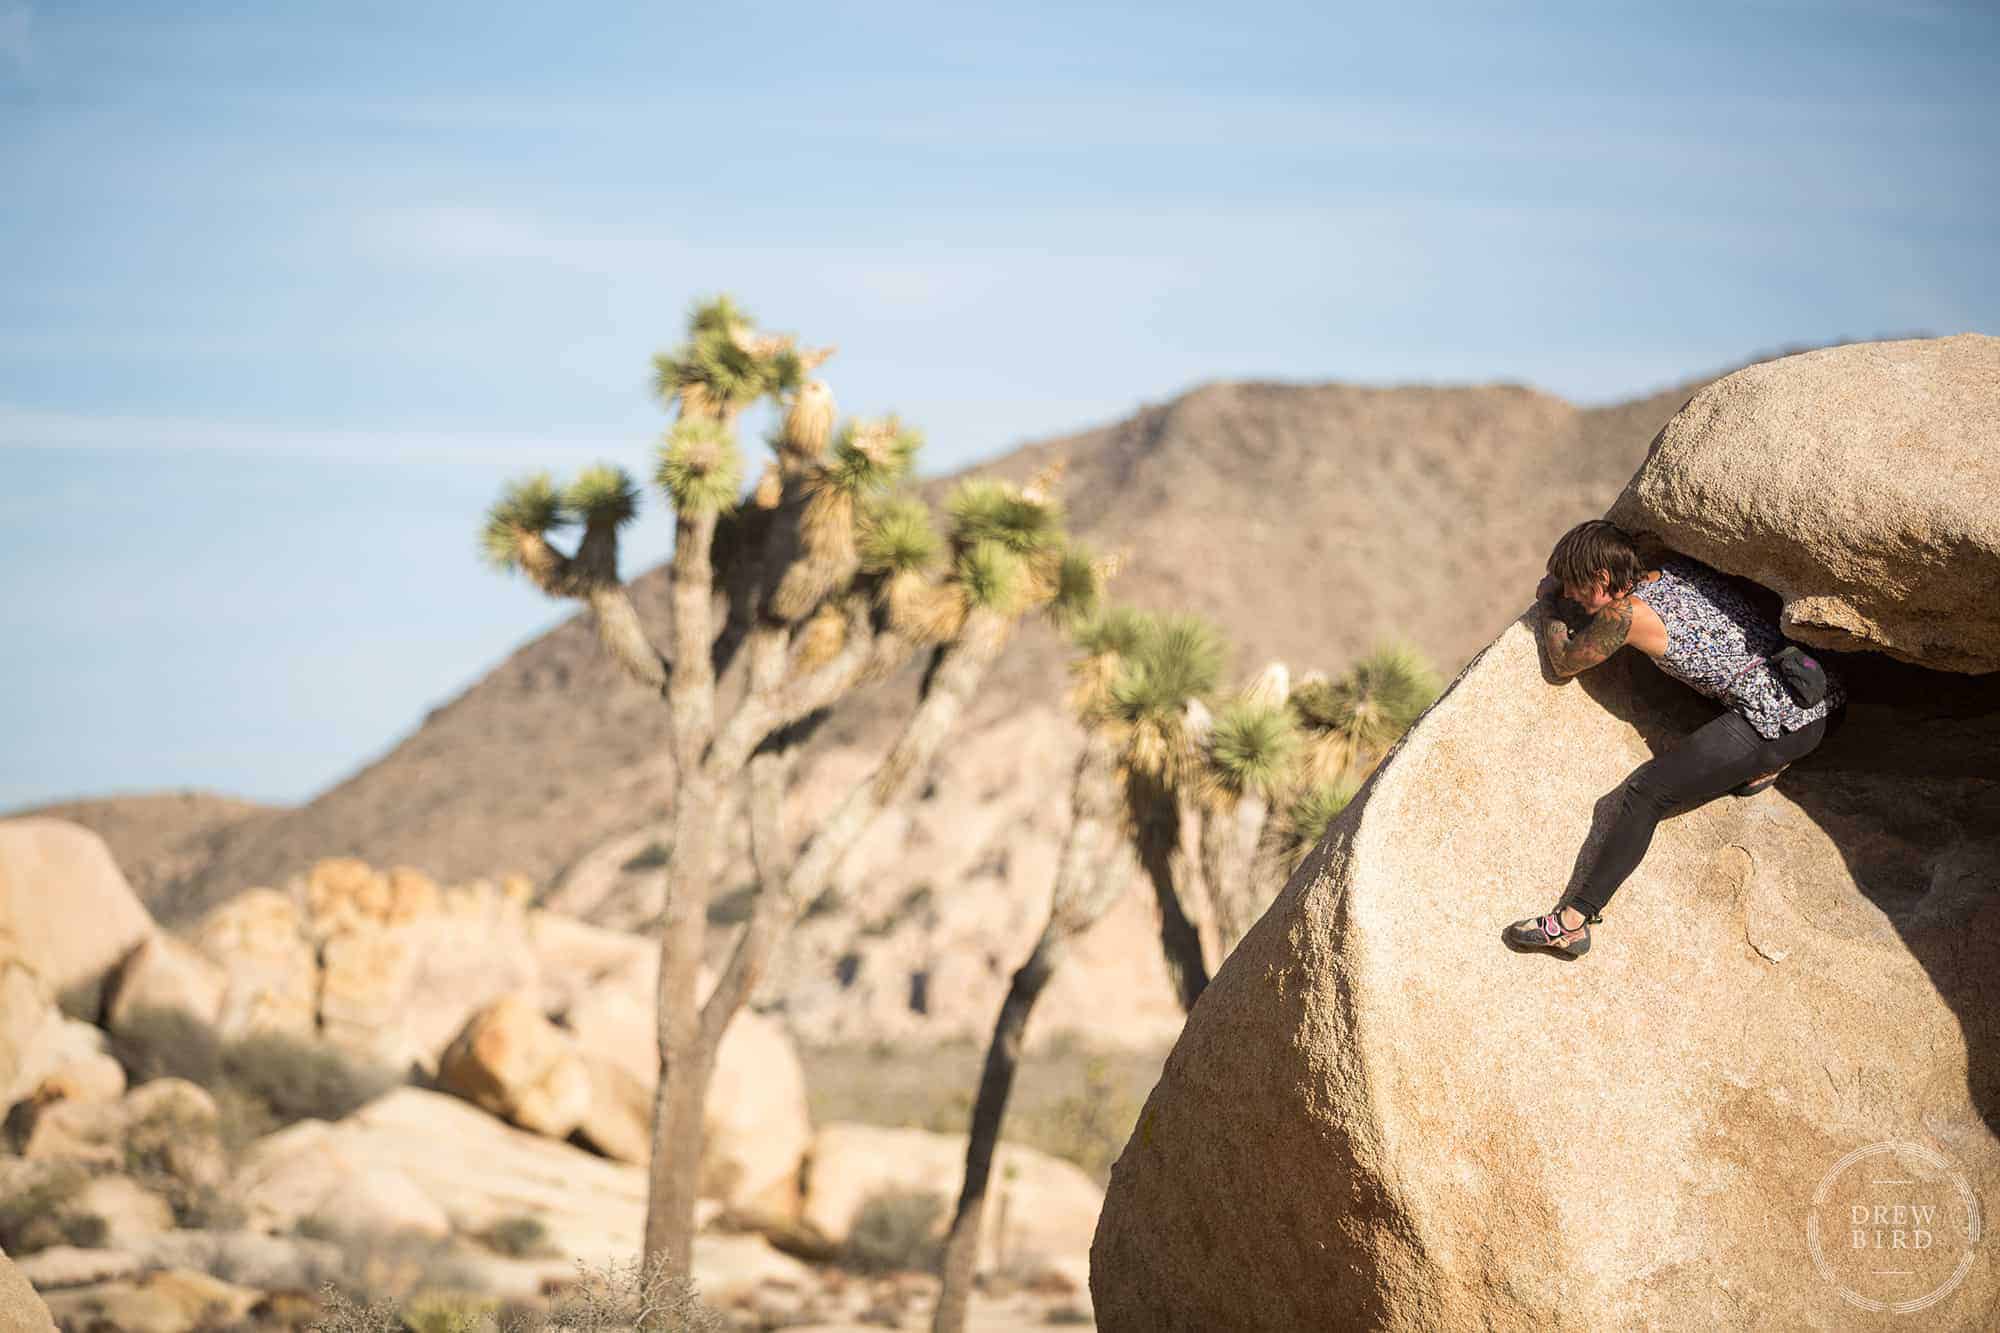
[{"x": 1715, "y": 635}]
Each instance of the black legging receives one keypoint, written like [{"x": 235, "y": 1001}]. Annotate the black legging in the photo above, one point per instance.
[{"x": 1720, "y": 756}]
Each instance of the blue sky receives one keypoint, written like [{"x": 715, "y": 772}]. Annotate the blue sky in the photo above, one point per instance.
[{"x": 287, "y": 292}]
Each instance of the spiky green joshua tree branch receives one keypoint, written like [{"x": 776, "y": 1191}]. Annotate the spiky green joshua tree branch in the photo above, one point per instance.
[
  {"x": 1153, "y": 702},
  {"x": 824, "y": 575}
]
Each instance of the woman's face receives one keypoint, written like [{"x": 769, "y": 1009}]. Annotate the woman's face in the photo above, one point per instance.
[{"x": 1594, "y": 596}]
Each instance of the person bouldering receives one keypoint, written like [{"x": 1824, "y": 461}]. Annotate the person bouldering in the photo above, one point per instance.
[{"x": 1702, "y": 629}]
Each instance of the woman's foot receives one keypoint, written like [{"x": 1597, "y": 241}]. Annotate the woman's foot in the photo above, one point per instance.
[{"x": 1565, "y": 931}]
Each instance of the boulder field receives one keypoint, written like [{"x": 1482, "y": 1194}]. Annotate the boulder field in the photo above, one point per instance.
[{"x": 1784, "y": 1045}]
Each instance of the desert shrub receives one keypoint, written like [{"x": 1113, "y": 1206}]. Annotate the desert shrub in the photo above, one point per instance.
[
  {"x": 519, "y": 1237},
  {"x": 300, "y": 1079},
  {"x": 448, "y": 1312},
  {"x": 177, "y": 1154},
  {"x": 167, "y": 1043},
  {"x": 599, "y": 1300},
  {"x": 632, "y": 1296},
  {"x": 241, "y": 1118},
  {"x": 734, "y": 907},
  {"x": 896, "y": 1229},
  {"x": 206, "y": 1207},
  {"x": 397, "y": 1266},
  {"x": 41, "y": 1215},
  {"x": 261, "y": 1082},
  {"x": 86, "y": 1231},
  {"x": 655, "y": 855},
  {"x": 340, "y": 1313}
]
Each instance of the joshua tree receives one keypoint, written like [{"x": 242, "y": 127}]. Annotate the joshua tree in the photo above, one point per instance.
[
  {"x": 1146, "y": 680},
  {"x": 822, "y": 577},
  {"x": 1089, "y": 876},
  {"x": 1347, "y": 726},
  {"x": 1251, "y": 751},
  {"x": 1140, "y": 687}
]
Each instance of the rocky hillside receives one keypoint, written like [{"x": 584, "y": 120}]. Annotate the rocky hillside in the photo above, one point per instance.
[
  {"x": 1310, "y": 520},
  {"x": 163, "y": 838}
]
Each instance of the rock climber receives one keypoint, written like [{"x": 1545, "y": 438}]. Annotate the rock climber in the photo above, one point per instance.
[{"x": 1702, "y": 628}]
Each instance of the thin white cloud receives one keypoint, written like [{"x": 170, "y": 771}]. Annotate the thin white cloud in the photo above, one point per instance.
[
  {"x": 29, "y": 428},
  {"x": 467, "y": 233}
]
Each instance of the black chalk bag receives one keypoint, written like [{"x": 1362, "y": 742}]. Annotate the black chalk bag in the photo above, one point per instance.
[{"x": 1802, "y": 674}]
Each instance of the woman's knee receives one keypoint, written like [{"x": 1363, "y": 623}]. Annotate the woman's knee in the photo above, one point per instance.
[
  {"x": 1645, "y": 790},
  {"x": 1794, "y": 745}
]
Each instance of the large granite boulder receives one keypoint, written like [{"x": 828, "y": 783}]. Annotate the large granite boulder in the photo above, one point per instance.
[
  {"x": 26, "y": 1011},
  {"x": 68, "y": 907},
  {"x": 165, "y": 973},
  {"x": 515, "y": 1063},
  {"x": 262, "y": 942},
  {"x": 1380, "y": 1117},
  {"x": 46, "y": 1057},
  {"x": 756, "y": 1124},
  {"x": 21, "y": 1310},
  {"x": 476, "y": 1171},
  {"x": 169, "y": 1301},
  {"x": 1861, "y": 483}
]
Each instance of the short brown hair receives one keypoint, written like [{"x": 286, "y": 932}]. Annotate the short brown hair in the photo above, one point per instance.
[{"x": 1594, "y": 545}]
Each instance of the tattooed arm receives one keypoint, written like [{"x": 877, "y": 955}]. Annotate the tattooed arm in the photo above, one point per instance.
[{"x": 1575, "y": 640}]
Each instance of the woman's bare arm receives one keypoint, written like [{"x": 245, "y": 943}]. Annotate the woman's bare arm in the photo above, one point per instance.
[{"x": 1575, "y": 642}]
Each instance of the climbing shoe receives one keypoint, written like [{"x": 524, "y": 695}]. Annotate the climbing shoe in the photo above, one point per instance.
[{"x": 1548, "y": 932}]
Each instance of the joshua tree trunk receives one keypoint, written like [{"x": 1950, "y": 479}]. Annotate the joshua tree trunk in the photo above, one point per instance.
[
  {"x": 1229, "y": 843},
  {"x": 1087, "y": 881},
  {"x": 1156, "y": 822},
  {"x": 675, "y": 1165}
]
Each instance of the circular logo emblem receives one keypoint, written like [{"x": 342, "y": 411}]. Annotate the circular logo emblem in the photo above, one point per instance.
[{"x": 1893, "y": 1227}]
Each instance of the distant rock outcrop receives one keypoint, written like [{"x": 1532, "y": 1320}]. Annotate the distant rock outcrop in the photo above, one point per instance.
[
  {"x": 70, "y": 911},
  {"x": 512, "y": 1061},
  {"x": 66, "y": 920},
  {"x": 541, "y": 1020},
  {"x": 1861, "y": 483},
  {"x": 1380, "y": 1117},
  {"x": 386, "y": 964}
]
